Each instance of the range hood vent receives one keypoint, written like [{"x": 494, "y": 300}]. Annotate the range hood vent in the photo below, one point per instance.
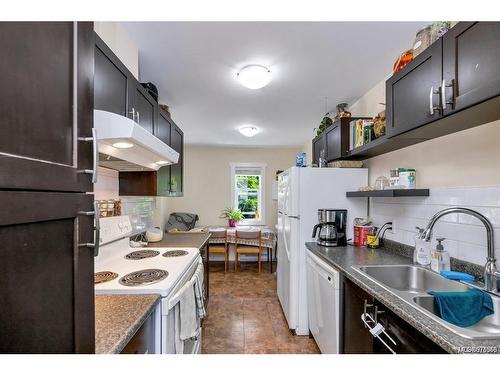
[{"x": 145, "y": 152}]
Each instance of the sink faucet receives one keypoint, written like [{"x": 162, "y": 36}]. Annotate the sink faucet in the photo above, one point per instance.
[{"x": 491, "y": 273}]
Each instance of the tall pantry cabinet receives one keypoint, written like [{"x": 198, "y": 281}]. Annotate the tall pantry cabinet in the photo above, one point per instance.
[{"x": 47, "y": 164}]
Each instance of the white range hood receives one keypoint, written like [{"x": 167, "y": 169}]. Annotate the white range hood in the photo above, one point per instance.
[{"x": 145, "y": 152}]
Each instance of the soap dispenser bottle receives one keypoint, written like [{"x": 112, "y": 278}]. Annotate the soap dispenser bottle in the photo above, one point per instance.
[
  {"x": 422, "y": 252},
  {"x": 440, "y": 259}
]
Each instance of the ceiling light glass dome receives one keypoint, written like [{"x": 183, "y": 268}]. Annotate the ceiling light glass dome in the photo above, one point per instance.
[{"x": 254, "y": 77}]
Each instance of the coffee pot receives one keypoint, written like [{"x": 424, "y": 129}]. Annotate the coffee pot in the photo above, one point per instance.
[{"x": 332, "y": 227}]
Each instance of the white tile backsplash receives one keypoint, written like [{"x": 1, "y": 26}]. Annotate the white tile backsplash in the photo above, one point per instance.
[{"x": 465, "y": 235}]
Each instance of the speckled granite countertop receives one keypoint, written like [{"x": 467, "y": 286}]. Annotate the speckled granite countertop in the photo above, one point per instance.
[
  {"x": 342, "y": 258},
  {"x": 190, "y": 239},
  {"x": 118, "y": 317}
]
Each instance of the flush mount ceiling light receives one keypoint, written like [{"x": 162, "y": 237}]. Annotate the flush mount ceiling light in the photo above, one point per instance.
[
  {"x": 248, "y": 130},
  {"x": 254, "y": 76},
  {"x": 123, "y": 145},
  {"x": 162, "y": 162}
]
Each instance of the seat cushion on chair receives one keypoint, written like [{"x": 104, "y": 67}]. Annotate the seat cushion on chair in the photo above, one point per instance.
[
  {"x": 243, "y": 249},
  {"x": 181, "y": 221},
  {"x": 217, "y": 249}
]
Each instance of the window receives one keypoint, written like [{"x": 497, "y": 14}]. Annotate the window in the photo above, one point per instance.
[{"x": 247, "y": 190}]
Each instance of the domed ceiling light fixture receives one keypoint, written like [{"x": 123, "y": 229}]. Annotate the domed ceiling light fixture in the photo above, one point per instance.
[
  {"x": 248, "y": 130},
  {"x": 254, "y": 77}
]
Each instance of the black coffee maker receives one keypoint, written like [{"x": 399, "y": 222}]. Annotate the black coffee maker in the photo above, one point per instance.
[{"x": 332, "y": 227}]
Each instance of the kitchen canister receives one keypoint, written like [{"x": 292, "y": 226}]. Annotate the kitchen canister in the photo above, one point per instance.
[
  {"x": 407, "y": 178},
  {"x": 361, "y": 233}
]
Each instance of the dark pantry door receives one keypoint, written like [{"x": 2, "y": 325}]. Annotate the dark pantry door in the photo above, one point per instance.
[
  {"x": 46, "y": 164},
  {"x": 46, "y": 92},
  {"x": 46, "y": 277}
]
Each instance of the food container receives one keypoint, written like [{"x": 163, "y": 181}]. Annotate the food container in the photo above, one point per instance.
[
  {"x": 407, "y": 178},
  {"x": 154, "y": 234},
  {"x": 361, "y": 233},
  {"x": 438, "y": 29},
  {"x": 405, "y": 58},
  {"x": 422, "y": 40}
]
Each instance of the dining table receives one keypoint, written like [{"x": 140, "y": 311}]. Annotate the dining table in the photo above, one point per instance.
[{"x": 267, "y": 237}]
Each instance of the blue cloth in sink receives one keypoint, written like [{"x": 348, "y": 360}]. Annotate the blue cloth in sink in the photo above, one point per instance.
[{"x": 463, "y": 308}]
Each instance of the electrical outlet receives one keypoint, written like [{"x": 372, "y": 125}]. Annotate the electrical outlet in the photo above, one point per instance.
[{"x": 393, "y": 227}]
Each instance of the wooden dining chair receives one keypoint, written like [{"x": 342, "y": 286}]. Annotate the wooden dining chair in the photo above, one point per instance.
[
  {"x": 244, "y": 248},
  {"x": 220, "y": 246}
]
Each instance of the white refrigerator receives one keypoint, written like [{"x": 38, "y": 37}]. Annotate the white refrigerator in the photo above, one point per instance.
[{"x": 301, "y": 192}]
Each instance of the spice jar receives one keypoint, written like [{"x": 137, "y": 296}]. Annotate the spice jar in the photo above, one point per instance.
[{"x": 422, "y": 40}]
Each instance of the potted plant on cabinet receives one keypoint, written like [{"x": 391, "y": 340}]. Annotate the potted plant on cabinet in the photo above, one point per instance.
[{"x": 233, "y": 216}]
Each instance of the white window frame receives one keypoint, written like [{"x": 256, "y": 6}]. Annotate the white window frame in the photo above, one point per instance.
[{"x": 234, "y": 204}]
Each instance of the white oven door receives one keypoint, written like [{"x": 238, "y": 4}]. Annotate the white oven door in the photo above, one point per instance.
[{"x": 190, "y": 346}]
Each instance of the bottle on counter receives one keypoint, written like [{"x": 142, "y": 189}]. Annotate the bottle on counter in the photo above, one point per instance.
[
  {"x": 440, "y": 258},
  {"x": 422, "y": 252}
]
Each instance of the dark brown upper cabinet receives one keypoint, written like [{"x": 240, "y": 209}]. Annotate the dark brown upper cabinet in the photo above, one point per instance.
[
  {"x": 318, "y": 148},
  {"x": 471, "y": 64},
  {"x": 334, "y": 141},
  {"x": 117, "y": 91},
  {"x": 168, "y": 180},
  {"x": 47, "y": 118},
  {"x": 110, "y": 81},
  {"x": 164, "y": 127},
  {"x": 413, "y": 94},
  {"x": 177, "y": 170},
  {"x": 142, "y": 107}
]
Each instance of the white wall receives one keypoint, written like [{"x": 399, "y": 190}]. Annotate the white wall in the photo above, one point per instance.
[
  {"x": 120, "y": 43},
  {"x": 207, "y": 179},
  {"x": 465, "y": 235}
]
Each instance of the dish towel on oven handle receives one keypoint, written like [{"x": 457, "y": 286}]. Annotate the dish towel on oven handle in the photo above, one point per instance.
[
  {"x": 189, "y": 310},
  {"x": 199, "y": 291}
]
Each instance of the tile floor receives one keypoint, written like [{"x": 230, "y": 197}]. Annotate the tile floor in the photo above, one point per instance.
[{"x": 245, "y": 316}]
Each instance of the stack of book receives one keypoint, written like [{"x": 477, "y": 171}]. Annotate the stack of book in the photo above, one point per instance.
[{"x": 360, "y": 133}]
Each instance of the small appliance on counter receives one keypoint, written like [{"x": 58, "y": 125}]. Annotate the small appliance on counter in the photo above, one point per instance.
[
  {"x": 154, "y": 234},
  {"x": 332, "y": 227}
]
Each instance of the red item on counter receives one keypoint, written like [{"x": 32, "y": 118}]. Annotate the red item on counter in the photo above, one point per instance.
[{"x": 360, "y": 234}]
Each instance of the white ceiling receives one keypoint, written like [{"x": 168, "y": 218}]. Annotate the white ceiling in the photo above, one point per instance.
[{"x": 194, "y": 64}]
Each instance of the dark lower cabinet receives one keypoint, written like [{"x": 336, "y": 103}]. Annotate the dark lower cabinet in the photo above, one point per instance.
[
  {"x": 471, "y": 68},
  {"x": 407, "y": 339},
  {"x": 143, "y": 342},
  {"x": 356, "y": 336},
  {"x": 46, "y": 277}
]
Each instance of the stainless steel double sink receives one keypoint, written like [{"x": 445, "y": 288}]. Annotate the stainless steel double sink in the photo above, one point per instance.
[{"x": 412, "y": 284}]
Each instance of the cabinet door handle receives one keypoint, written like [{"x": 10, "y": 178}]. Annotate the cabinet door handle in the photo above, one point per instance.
[
  {"x": 132, "y": 112},
  {"x": 97, "y": 229},
  {"x": 444, "y": 103},
  {"x": 432, "y": 108},
  {"x": 138, "y": 117},
  {"x": 95, "y": 152},
  {"x": 366, "y": 305}
]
